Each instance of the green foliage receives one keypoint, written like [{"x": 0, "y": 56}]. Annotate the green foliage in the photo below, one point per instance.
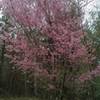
[
  {"x": 94, "y": 36},
  {"x": 94, "y": 32}
]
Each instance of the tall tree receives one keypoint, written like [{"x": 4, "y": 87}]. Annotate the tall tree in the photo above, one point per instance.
[{"x": 55, "y": 32}]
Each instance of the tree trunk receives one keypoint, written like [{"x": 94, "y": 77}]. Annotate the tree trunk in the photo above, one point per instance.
[
  {"x": 2, "y": 63},
  {"x": 63, "y": 83}
]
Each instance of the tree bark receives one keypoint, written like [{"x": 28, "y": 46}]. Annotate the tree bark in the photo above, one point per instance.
[{"x": 2, "y": 62}]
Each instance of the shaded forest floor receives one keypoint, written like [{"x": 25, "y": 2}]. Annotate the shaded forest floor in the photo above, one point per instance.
[{"x": 17, "y": 98}]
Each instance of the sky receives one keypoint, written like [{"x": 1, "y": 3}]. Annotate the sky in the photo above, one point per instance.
[{"x": 90, "y": 7}]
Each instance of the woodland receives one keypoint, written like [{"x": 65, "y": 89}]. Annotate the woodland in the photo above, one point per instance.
[{"x": 48, "y": 51}]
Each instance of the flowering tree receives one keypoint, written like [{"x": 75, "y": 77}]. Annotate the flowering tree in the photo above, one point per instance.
[
  {"x": 51, "y": 30},
  {"x": 61, "y": 26}
]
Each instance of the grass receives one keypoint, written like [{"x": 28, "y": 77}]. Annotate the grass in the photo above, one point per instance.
[{"x": 17, "y": 98}]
